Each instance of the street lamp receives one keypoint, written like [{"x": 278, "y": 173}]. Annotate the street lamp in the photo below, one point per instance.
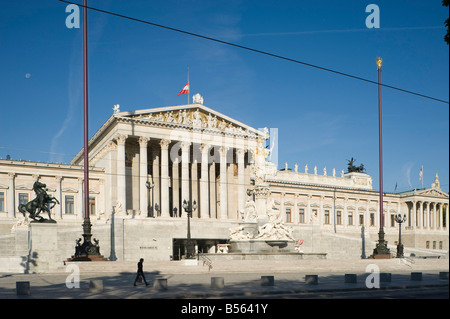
[
  {"x": 381, "y": 250},
  {"x": 400, "y": 220},
  {"x": 188, "y": 208},
  {"x": 149, "y": 187}
]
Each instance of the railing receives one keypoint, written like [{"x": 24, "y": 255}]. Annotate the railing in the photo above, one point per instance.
[{"x": 206, "y": 260}]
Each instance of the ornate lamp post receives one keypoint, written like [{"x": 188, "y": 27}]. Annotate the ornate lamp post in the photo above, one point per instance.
[
  {"x": 86, "y": 251},
  {"x": 400, "y": 220},
  {"x": 381, "y": 250},
  {"x": 189, "y": 208}
]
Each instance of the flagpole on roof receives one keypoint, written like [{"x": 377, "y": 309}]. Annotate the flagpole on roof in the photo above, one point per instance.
[{"x": 189, "y": 87}]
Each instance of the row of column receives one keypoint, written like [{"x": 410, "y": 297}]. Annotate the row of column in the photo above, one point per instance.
[
  {"x": 436, "y": 222},
  {"x": 207, "y": 192},
  {"x": 421, "y": 219}
]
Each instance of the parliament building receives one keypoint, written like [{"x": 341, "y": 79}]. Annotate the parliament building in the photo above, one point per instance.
[{"x": 144, "y": 164}]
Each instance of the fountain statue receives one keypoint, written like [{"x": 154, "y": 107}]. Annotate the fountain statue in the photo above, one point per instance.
[{"x": 261, "y": 228}]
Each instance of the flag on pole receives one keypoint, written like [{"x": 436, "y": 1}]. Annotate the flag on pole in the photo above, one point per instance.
[
  {"x": 185, "y": 89},
  {"x": 421, "y": 173}
]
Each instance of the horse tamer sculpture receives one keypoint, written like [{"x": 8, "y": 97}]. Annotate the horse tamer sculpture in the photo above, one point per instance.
[{"x": 42, "y": 202}]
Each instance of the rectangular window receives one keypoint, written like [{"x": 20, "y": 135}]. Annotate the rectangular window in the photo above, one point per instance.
[
  {"x": 434, "y": 244},
  {"x": 428, "y": 244},
  {"x": 339, "y": 217},
  {"x": 361, "y": 219},
  {"x": 69, "y": 205},
  {"x": 327, "y": 216},
  {"x": 2, "y": 201},
  {"x": 288, "y": 215},
  {"x": 372, "y": 219},
  {"x": 23, "y": 198},
  {"x": 301, "y": 216},
  {"x": 350, "y": 218},
  {"x": 440, "y": 245},
  {"x": 392, "y": 220},
  {"x": 91, "y": 205}
]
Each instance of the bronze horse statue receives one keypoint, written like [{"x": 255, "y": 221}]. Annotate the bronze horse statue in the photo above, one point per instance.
[
  {"x": 353, "y": 168},
  {"x": 42, "y": 202}
]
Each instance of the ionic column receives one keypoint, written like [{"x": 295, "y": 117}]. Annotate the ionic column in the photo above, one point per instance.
[
  {"x": 121, "y": 177},
  {"x": 143, "y": 173},
  {"x": 204, "y": 194},
  {"x": 446, "y": 216},
  {"x": 176, "y": 188},
  {"x": 428, "y": 216},
  {"x": 212, "y": 190},
  {"x": 165, "y": 178},
  {"x": 58, "y": 197},
  {"x": 413, "y": 216},
  {"x": 434, "y": 216},
  {"x": 241, "y": 179},
  {"x": 441, "y": 222},
  {"x": 11, "y": 196},
  {"x": 185, "y": 147},
  {"x": 156, "y": 203},
  {"x": 223, "y": 183},
  {"x": 421, "y": 215},
  {"x": 194, "y": 184}
]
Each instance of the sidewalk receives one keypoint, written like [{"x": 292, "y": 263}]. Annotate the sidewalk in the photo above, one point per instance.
[{"x": 241, "y": 278}]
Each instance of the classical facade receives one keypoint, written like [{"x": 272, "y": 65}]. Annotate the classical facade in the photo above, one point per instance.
[{"x": 144, "y": 164}]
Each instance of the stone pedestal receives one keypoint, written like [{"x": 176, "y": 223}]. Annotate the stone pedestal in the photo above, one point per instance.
[{"x": 44, "y": 254}]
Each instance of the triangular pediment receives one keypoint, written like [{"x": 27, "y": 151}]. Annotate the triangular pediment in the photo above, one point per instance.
[
  {"x": 432, "y": 192},
  {"x": 191, "y": 115}
]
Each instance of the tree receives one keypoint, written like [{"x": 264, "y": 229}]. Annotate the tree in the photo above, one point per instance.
[{"x": 447, "y": 36}]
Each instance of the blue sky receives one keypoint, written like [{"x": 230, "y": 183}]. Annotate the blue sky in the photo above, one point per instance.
[{"x": 322, "y": 118}]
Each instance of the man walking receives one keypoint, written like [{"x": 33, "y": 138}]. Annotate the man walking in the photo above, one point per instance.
[{"x": 140, "y": 272}]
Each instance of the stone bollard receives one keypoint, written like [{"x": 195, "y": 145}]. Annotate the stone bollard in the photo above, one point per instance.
[
  {"x": 416, "y": 276},
  {"x": 22, "y": 288},
  {"x": 267, "y": 281},
  {"x": 160, "y": 284},
  {"x": 311, "y": 279},
  {"x": 96, "y": 286},
  {"x": 217, "y": 282},
  {"x": 443, "y": 275},
  {"x": 350, "y": 278},
  {"x": 385, "y": 277}
]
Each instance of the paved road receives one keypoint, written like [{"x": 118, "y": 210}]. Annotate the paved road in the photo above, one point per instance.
[
  {"x": 392, "y": 293},
  {"x": 241, "y": 280}
]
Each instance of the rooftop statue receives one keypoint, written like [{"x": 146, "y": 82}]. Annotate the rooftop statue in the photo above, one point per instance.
[{"x": 352, "y": 168}]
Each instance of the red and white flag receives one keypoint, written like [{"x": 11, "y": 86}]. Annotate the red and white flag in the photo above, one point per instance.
[
  {"x": 185, "y": 89},
  {"x": 421, "y": 173}
]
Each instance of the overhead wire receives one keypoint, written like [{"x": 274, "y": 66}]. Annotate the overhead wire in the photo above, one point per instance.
[{"x": 256, "y": 51}]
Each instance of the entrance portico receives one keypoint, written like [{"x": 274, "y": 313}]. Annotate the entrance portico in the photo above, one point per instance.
[{"x": 187, "y": 152}]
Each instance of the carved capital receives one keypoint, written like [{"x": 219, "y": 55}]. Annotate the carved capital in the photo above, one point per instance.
[
  {"x": 11, "y": 175},
  {"x": 164, "y": 144},
  {"x": 143, "y": 141},
  {"x": 120, "y": 138},
  {"x": 205, "y": 148},
  {"x": 58, "y": 179},
  {"x": 185, "y": 146},
  {"x": 223, "y": 150},
  {"x": 240, "y": 152}
]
